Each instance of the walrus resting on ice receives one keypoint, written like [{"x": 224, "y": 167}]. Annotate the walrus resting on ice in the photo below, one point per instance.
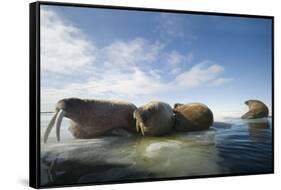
[
  {"x": 154, "y": 118},
  {"x": 92, "y": 118},
  {"x": 192, "y": 117},
  {"x": 257, "y": 109}
]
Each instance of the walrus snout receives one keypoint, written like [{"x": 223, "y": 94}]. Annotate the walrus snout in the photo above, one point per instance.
[
  {"x": 138, "y": 116},
  {"x": 143, "y": 116},
  {"x": 61, "y": 105},
  {"x": 64, "y": 108},
  {"x": 69, "y": 104},
  {"x": 71, "y": 107}
]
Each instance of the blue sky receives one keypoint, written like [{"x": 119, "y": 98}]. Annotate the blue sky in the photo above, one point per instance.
[{"x": 141, "y": 56}]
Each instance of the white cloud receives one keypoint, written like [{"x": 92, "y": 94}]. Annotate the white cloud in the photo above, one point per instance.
[
  {"x": 175, "y": 58},
  {"x": 221, "y": 81},
  {"x": 178, "y": 61},
  {"x": 124, "y": 53},
  {"x": 199, "y": 74},
  {"x": 63, "y": 47},
  {"x": 139, "y": 83},
  {"x": 170, "y": 25},
  {"x": 123, "y": 69},
  {"x": 130, "y": 84}
]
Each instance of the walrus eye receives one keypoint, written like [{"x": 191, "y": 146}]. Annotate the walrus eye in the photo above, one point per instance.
[{"x": 151, "y": 110}]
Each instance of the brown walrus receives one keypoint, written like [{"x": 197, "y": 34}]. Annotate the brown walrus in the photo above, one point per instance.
[
  {"x": 154, "y": 118},
  {"x": 257, "y": 109},
  {"x": 92, "y": 118},
  {"x": 192, "y": 117}
]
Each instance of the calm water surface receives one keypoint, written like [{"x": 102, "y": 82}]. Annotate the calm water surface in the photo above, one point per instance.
[{"x": 232, "y": 146}]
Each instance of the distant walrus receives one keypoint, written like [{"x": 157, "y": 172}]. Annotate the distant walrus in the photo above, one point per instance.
[
  {"x": 192, "y": 117},
  {"x": 154, "y": 118},
  {"x": 92, "y": 118},
  {"x": 257, "y": 109}
]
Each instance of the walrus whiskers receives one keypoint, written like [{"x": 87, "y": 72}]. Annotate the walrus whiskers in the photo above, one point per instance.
[
  {"x": 49, "y": 128},
  {"x": 58, "y": 123}
]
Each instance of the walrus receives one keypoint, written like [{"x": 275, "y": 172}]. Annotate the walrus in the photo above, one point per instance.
[
  {"x": 154, "y": 118},
  {"x": 92, "y": 118},
  {"x": 192, "y": 117},
  {"x": 257, "y": 109}
]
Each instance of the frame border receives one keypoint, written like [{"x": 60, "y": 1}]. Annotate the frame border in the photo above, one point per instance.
[
  {"x": 34, "y": 95},
  {"x": 34, "y": 90}
]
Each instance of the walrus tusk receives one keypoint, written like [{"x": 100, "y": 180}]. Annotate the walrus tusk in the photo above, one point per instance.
[
  {"x": 142, "y": 129},
  {"x": 137, "y": 126},
  {"x": 58, "y": 123},
  {"x": 49, "y": 128}
]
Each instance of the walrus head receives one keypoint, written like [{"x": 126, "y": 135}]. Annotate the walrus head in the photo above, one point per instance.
[
  {"x": 154, "y": 118},
  {"x": 247, "y": 102},
  {"x": 67, "y": 107},
  {"x": 142, "y": 117},
  {"x": 176, "y": 105},
  {"x": 70, "y": 106}
]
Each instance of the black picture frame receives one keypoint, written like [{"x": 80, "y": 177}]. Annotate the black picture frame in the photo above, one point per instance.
[{"x": 34, "y": 91}]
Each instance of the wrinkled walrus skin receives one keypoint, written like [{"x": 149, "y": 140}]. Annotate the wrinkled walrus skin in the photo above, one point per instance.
[
  {"x": 154, "y": 119},
  {"x": 192, "y": 117},
  {"x": 257, "y": 109},
  {"x": 92, "y": 118}
]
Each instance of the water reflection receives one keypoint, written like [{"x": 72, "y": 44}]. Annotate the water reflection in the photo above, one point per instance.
[
  {"x": 246, "y": 147},
  {"x": 189, "y": 154},
  {"x": 258, "y": 130},
  {"x": 221, "y": 125}
]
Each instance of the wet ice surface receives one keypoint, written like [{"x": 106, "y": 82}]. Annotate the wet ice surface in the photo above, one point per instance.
[{"x": 232, "y": 146}]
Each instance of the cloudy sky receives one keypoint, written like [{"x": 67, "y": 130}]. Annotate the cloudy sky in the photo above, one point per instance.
[{"x": 141, "y": 56}]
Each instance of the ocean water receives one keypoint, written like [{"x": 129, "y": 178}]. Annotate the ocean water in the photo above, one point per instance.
[{"x": 230, "y": 146}]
